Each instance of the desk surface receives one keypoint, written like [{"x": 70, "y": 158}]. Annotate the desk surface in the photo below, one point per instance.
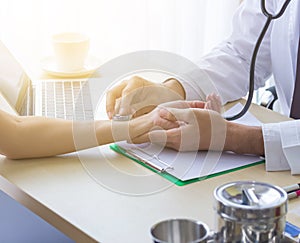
[{"x": 89, "y": 196}]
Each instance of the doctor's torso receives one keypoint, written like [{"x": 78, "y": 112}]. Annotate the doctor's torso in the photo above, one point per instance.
[{"x": 284, "y": 49}]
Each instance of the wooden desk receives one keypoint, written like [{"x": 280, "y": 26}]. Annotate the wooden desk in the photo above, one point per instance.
[{"x": 82, "y": 200}]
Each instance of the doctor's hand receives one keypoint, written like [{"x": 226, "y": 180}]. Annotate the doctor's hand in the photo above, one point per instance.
[
  {"x": 198, "y": 128},
  {"x": 138, "y": 96},
  {"x": 202, "y": 129},
  {"x": 140, "y": 126}
]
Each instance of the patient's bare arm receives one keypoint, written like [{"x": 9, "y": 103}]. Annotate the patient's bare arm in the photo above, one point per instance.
[{"x": 31, "y": 137}]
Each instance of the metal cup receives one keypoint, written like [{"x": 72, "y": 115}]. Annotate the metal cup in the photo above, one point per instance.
[
  {"x": 180, "y": 231},
  {"x": 249, "y": 211}
]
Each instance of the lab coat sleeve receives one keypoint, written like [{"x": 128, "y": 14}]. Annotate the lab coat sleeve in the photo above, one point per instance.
[
  {"x": 282, "y": 146},
  {"x": 225, "y": 69},
  {"x": 274, "y": 155}
]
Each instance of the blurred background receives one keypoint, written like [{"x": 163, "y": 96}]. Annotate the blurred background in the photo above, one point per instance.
[{"x": 189, "y": 28}]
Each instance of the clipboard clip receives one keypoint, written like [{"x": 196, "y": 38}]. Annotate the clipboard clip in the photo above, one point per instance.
[{"x": 155, "y": 166}]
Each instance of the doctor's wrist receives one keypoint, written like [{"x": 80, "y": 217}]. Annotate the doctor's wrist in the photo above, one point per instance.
[
  {"x": 244, "y": 139},
  {"x": 175, "y": 86}
]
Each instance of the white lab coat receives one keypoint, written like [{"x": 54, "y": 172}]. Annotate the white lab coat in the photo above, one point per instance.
[{"x": 227, "y": 68}]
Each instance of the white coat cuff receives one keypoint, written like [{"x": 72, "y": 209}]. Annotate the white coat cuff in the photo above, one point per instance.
[
  {"x": 274, "y": 155},
  {"x": 190, "y": 92},
  {"x": 197, "y": 84},
  {"x": 290, "y": 139}
]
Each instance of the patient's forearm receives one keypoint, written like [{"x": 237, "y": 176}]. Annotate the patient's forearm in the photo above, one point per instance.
[
  {"x": 31, "y": 137},
  {"x": 41, "y": 137}
]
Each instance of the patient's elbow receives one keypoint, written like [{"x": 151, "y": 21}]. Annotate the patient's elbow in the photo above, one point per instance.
[
  {"x": 14, "y": 146},
  {"x": 11, "y": 152},
  {"x": 13, "y": 140}
]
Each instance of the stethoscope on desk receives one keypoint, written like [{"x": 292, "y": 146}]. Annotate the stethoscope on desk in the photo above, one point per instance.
[{"x": 270, "y": 17}]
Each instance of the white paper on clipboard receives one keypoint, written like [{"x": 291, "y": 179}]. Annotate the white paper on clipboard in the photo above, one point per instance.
[{"x": 190, "y": 165}]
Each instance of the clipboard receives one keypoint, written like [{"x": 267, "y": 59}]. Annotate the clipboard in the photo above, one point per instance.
[
  {"x": 183, "y": 168},
  {"x": 165, "y": 172}
]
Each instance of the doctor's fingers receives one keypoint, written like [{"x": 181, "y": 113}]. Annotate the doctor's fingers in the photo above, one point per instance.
[
  {"x": 180, "y": 115},
  {"x": 144, "y": 99},
  {"x": 111, "y": 97},
  {"x": 133, "y": 101},
  {"x": 142, "y": 107},
  {"x": 123, "y": 89},
  {"x": 131, "y": 94},
  {"x": 165, "y": 124},
  {"x": 183, "y": 104},
  {"x": 159, "y": 137},
  {"x": 213, "y": 102},
  {"x": 168, "y": 138},
  {"x": 122, "y": 106},
  {"x": 196, "y": 104},
  {"x": 140, "y": 98},
  {"x": 157, "y": 124}
]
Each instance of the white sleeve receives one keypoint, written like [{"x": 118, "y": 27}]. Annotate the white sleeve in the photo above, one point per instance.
[
  {"x": 282, "y": 146},
  {"x": 274, "y": 156},
  {"x": 227, "y": 66}
]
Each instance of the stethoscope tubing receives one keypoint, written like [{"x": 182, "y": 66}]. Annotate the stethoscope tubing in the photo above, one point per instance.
[{"x": 270, "y": 17}]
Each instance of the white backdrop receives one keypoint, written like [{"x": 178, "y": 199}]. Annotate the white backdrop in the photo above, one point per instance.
[{"x": 186, "y": 27}]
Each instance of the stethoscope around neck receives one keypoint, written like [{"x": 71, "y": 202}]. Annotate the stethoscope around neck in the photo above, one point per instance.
[{"x": 270, "y": 17}]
